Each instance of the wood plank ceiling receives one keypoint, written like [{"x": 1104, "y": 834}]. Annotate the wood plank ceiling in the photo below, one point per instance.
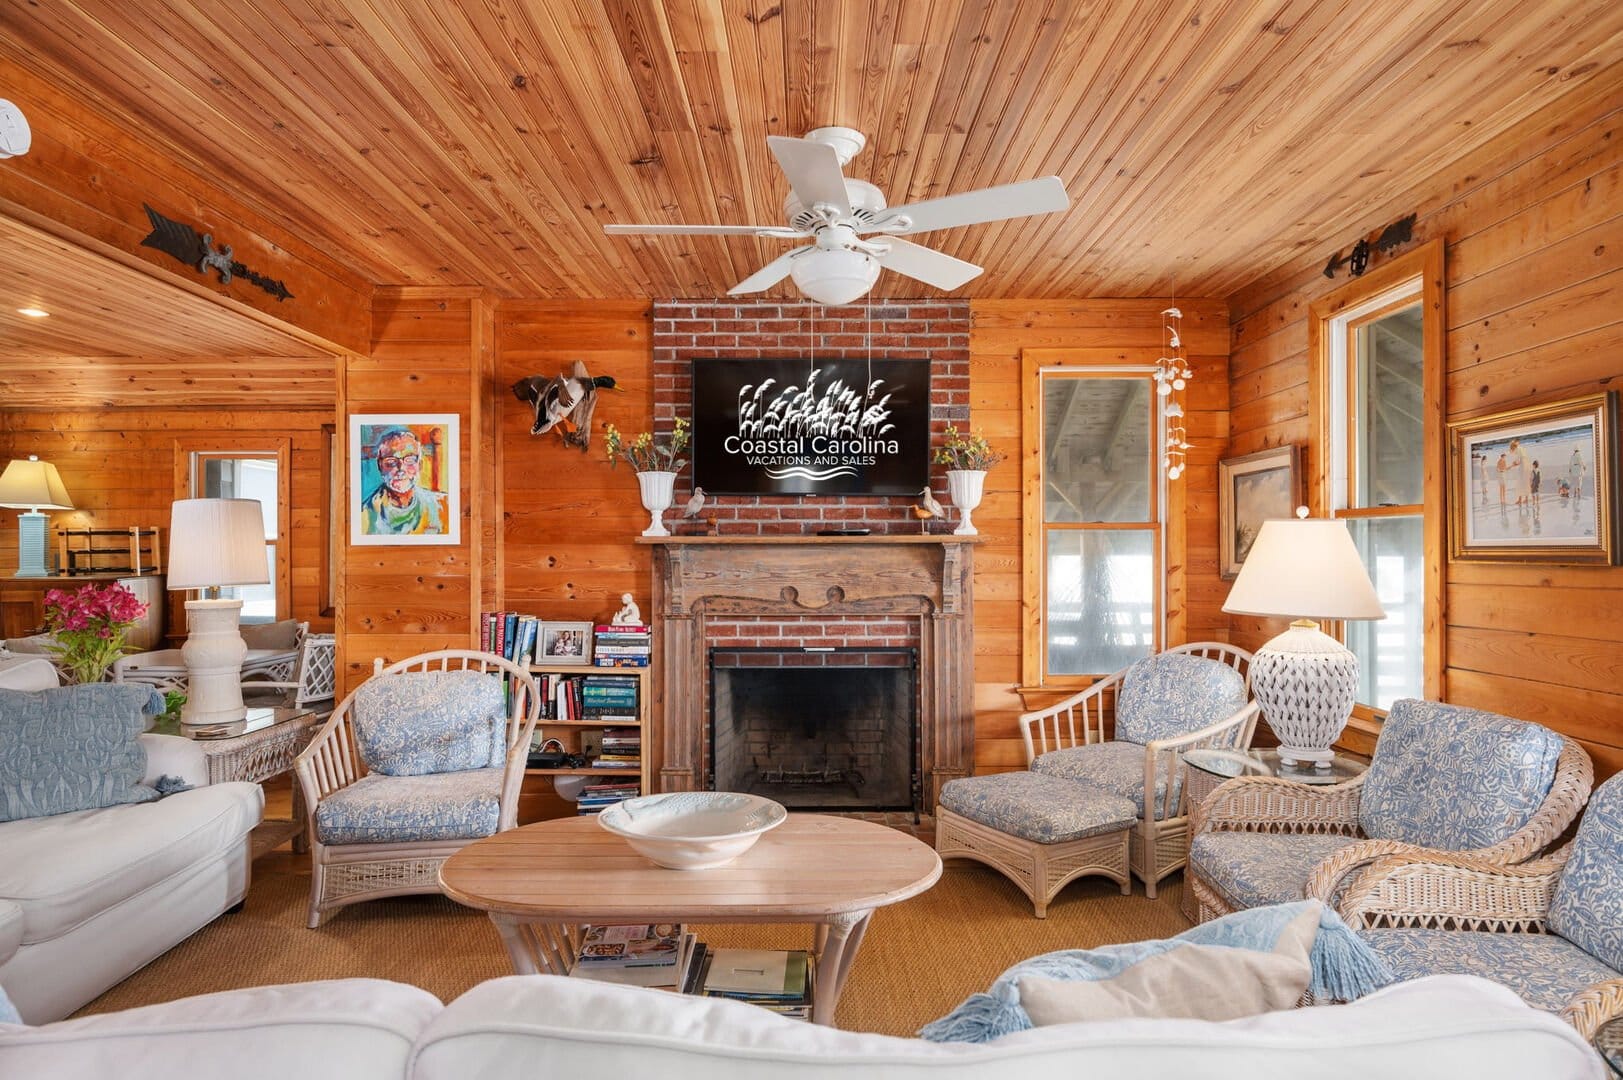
[
  {"x": 116, "y": 337},
  {"x": 487, "y": 142}
]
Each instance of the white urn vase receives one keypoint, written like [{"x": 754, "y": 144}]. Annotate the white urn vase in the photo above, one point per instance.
[
  {"x": 965, "y": 487},
  {"x": 656, "y": 499}
]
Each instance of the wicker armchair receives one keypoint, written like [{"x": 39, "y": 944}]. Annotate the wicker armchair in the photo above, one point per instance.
[
  {"x": 1550, "y": 929},
  {"x": 420, "y": 760},
  {"x": 1438, "y": 783},
  {"x": 1164, "y": 705}
]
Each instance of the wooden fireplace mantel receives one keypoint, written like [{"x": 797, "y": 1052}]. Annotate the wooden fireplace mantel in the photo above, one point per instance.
[{"x": 926, "y": 580}]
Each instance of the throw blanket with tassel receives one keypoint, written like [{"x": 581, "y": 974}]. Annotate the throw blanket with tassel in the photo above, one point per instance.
[{"x": 1344, "y": 968}]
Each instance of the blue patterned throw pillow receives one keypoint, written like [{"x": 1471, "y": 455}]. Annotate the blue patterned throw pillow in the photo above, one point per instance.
[
  {"x": 413, "y": 723},
  {"x": 73, "y": 748}
]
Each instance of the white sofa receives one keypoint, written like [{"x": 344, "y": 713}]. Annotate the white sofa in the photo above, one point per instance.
[
  {"x": 88, "y": 897},
  {"x": 540, "y": 1026}
]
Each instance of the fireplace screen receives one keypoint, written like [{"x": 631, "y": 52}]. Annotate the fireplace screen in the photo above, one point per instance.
[{"x": 823, "y": 730}]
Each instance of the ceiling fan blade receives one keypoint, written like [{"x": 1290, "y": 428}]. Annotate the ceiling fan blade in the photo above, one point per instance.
[
  {"x": 813, "y": 170},
  {"x": 925, "y": 264},
  {"x": 704, "y": 230},
  {"x": 973, "y": 207},
  {"x": 768, "y": 275}
]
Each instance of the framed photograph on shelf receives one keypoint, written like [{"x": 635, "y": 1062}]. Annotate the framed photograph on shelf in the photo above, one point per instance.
[
  {"x": 1250, "y": 490},
  {"x": 564, "y": 643},
  {"x": 1536, "y": 484},
  {"x": 403, "y": 479}
]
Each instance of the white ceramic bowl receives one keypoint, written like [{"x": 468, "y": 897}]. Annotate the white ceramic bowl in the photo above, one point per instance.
[{"x": 693, "y": 830}]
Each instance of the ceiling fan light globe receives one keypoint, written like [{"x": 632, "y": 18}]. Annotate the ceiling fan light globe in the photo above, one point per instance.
[{"x": 834, "y": 277}]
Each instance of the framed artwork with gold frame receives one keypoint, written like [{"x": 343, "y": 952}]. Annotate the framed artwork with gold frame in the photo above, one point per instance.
[
  {"x": 1250, "y": 490},
  {"x": 1536, "y": 484}
]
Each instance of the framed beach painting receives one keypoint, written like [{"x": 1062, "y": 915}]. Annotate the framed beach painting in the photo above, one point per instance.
[
  {"x": 1250, "y": 490},
  {"x": 1536, "y": 484},
  {"x": 403, "y": 479}
]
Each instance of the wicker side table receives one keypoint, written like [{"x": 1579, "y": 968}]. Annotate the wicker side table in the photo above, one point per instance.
[
  {"x": 1209, "y": 768},
  {"x": 255, "y": 749}
]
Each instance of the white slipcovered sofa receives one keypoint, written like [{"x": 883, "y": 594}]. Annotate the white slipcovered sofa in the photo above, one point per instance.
[
  {"x": 540, "y": 1026},
  {"x": 88, "y": 897}
]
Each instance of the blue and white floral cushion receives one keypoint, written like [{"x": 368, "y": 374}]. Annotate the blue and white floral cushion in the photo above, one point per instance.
[
  {"x": 1545, "y": 970},
  {"x": 1042, "y": 809},
  {"x": 1445, "y": 776},
  {"x": 379, "y": 809},
  {"x": 1588, "y": 905},
  {"x": 417, "y": 722},
  {"x": 1118, "y": 767},
  {"x": 1162, "y": 697},
  {"x": 1253, "y": 869}
]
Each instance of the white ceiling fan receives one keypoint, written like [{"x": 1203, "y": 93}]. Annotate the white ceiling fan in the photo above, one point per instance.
[{"x": 835, "y": 213}]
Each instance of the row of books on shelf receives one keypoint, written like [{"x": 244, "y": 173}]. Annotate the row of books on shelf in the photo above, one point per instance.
[
  {"x": 667, "y": 955},
  {"x": 611, "y": 699},
  {"x": 528, "y": 639},
  {"x": 596, "y": 797}
]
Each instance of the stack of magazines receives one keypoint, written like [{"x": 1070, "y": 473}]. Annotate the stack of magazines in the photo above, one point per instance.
[
  {"x": 645, "y": 954},
  {"x": 771, "y": 978}
]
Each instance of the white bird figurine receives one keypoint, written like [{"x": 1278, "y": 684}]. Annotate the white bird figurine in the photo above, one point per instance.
[
  {"x": 927, "y": 508},
  {"x": 695, "y": 504}
]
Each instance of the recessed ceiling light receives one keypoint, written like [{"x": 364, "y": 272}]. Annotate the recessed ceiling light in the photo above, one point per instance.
[{"x": 33, "y": 312}]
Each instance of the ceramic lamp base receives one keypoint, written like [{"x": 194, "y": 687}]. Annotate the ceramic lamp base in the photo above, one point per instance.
[
  {"x": 1306, "y": 682},
  {"x": 213, "y": 652}
]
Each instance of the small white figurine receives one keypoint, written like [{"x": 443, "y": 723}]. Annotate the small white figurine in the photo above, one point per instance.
[{"x": 629, "y": 615}]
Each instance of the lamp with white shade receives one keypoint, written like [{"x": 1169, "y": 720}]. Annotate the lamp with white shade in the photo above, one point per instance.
[
  {"x": 1305, "y": 680},
  {"x": 32, "y": 485},
  {"x": 215, "y": 543}
]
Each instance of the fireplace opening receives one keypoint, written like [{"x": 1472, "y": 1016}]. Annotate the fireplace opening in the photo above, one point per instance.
[{"x": 816, "y": 729}]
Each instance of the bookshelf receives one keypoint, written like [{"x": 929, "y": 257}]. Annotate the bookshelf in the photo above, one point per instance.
[{"x": 576, "y": 734}]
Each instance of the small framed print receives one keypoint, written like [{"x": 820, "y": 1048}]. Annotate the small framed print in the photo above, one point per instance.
[
  {"x": 1252, "y": 489},
  {"x": 1536, "y": 484},
  {"x": 565, "y": 643},
  {"x": 403, "y": 479}
]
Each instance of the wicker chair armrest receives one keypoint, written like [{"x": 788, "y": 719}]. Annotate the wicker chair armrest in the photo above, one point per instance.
[
  {"x": 329, "y": 762},
  {"x": 1569, "y": 791},
  {"x": 1449, "y": 890},
  {"x": 1058, "y": 719},
  {"x": 518, "y": 757},
  {"x": 1593, "y": 1007},
  {"x": 1238, "y": 719},
  {"x": 1272, "y": 804}
]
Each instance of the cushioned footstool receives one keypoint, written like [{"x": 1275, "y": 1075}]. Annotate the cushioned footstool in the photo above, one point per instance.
[{"x": 1040, "y": 832}]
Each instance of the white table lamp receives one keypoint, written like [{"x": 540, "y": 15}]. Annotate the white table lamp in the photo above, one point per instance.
[
  {"x": 32, "y": 486},
  {"x": 215, "y": 543},
  {"x": 1305, "y": 680}
]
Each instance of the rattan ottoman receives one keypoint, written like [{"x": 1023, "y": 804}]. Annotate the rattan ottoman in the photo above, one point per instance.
[{"x": 1041, "y": 832}]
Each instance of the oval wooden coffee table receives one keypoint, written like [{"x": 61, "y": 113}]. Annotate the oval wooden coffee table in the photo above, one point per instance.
[{"x": 541, "y": 882}]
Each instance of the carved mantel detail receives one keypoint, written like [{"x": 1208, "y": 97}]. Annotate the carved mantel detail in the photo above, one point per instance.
[{"x": 925, "y": 580}]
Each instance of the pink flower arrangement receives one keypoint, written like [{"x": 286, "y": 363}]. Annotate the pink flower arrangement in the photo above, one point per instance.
[{"x": 89, "y": 628}]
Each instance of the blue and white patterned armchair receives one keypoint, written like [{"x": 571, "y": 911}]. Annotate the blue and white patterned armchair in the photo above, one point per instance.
[
  {"x": 1551, "y": 930},
  {"x": 420, "y": 760},
  {"x": 1189, "y": 697},
  {"x": 1442, "y": 778}
]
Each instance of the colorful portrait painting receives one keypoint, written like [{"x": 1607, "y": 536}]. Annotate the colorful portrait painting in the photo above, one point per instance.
[{"x": 403, "y": 479}]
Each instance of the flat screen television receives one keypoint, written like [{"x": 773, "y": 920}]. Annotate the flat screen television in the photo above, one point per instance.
[{"x": 804, "y": 427}]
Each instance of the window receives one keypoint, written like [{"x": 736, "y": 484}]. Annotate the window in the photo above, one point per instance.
[
  {"x": 1098, "y": 539},
  {"x": 248, "y": 470},
  {"x": 1381, "y": 382}
]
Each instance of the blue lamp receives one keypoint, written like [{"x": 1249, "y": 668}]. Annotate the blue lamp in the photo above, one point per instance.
[{"x": 32, "y": 486}]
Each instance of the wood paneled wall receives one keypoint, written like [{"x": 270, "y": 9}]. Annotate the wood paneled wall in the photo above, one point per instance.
[
  {"x": 1533, "y": 225},
  {"x": 125, "y": 475},
  {"x": 430, "y": 354},
  {"x": 1105, "y": 332}
]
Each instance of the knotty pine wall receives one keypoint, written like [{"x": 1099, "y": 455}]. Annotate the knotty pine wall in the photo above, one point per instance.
[
  {"x": 568, "y": 521},
  {"x": 125, "y": 476},
  {"x": 1533, "y": 227}
]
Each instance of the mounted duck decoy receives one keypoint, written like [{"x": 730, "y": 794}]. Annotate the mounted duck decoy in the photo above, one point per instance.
[{"x": 564, "y": 402}]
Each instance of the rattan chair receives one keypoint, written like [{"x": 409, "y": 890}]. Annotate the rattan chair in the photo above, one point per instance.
[
  {"x": 1459, "y": 779},
  {"x": 1550, "y": 929},
  {"x": 382, "y": 827},
  {"x": 1149, "y": 772},
  {"x": 314, "y": 677}
]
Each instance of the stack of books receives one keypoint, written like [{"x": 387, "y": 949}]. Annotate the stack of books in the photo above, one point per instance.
[
  {"x": 647, "y": 954},
  {"x": 594, "y": 797},
  {"x": 509, "y": 634},
  {"x": 612, "y": 699},
  {"x": 622, "y": 646},
  {"x": 622, "y": 749},
  {"x": 771, "y": 978}
]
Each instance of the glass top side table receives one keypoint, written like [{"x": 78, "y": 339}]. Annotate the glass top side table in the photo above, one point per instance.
[
  {"x": 1209, "y": 768},
  {"x": 256, "y": 748}
]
